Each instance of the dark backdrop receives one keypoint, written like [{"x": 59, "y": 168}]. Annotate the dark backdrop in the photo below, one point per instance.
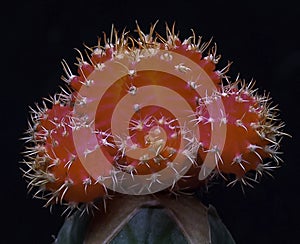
[{"x": 260, "y": 37}]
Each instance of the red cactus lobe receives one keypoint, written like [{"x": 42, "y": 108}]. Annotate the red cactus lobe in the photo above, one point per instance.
[
  {"x": 69, "y": 180},
  {"x": 244, "y": 148}
]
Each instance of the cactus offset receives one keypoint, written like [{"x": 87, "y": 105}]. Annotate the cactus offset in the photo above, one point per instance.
[
  {"x": 252, "y": 133},
  {"x": 57, "y": 171}
]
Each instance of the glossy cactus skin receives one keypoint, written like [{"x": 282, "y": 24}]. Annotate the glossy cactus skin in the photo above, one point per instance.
[{"x": 54, "y": 168}]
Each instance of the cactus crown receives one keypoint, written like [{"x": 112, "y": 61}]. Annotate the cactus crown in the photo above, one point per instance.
[{"x": 169, "y": 120}]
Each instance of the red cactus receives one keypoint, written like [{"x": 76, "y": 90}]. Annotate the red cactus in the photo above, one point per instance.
[{"x": 56, "y": 165}]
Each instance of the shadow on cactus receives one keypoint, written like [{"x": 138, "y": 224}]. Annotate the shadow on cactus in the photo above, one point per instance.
[{"x": 146, "y": 114}]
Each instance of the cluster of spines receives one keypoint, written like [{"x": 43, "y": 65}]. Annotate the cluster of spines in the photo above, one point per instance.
[{"x": 42, "y": 158}]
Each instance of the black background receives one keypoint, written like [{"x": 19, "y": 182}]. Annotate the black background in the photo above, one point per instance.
[{"x": 260, "y": 37}]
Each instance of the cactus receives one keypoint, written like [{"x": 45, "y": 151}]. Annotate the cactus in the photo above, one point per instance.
[{"x": 168, "y": 121}]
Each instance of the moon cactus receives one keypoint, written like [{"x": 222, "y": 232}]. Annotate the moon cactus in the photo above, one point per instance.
[{"x": 145, "y": 114}]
